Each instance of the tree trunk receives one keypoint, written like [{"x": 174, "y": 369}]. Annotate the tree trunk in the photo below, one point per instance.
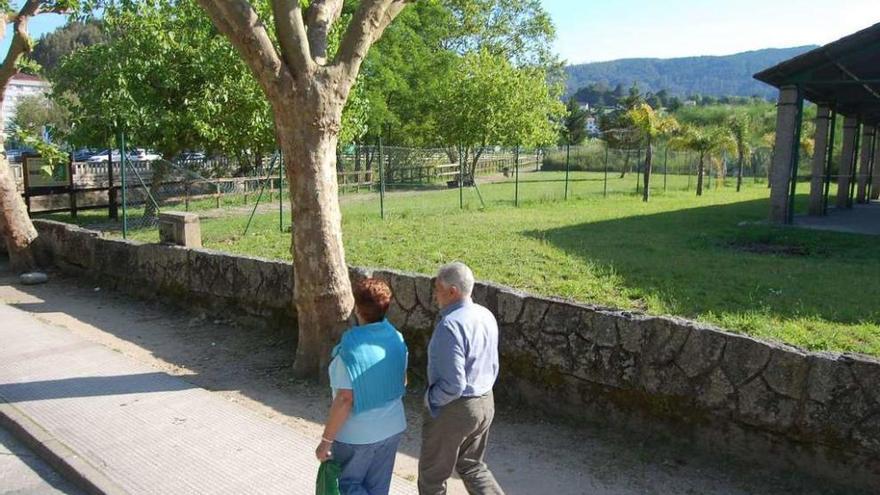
[
  {"x": 308, "y": 134},
  {"x": 649, "y": 158},
  {"x": 700, "y": 171},
  {"x": 18, "y": 231},
  {"x": 739, "y": 173},
  {"x": 625, "y": 166}
]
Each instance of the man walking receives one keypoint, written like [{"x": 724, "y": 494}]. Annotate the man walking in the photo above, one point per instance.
[{"x": 462, "y": 368}]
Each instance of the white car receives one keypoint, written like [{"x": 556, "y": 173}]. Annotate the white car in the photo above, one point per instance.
[
  {"x": 101, "y": 157},
  {"x": 142, "y": 155}
]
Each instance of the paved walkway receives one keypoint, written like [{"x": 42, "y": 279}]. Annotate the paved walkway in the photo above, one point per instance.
[
  {"x": 861, "y": 219},
  {"x": 123, "y": 427},
  {"x": 22, "y": 472}
]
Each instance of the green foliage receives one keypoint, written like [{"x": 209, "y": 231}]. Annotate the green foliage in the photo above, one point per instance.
[
  {"x": 410, "y": 69},
  {"x": 574, "y": 125},
  {"x": 490, "y": 101},
  {"x": 169, "y": 79},
  {"x": 54, "y": 46},
  {"x": 650, "y": 124},
  {"x": 704, "y": 140},
  {"x": 37, "y": 112}
]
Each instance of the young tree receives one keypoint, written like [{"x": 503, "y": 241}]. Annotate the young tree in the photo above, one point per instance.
[
  {"x": 493, "y": 102},
  {"x": 575, "y": 123},
  {"x": 19, "y": 233},
  {"x": 307, "y": 87},
  {"x": 650, "y": 126},
  {"x": 705, "y": 141},
  {"x": 739, "y": 124}
]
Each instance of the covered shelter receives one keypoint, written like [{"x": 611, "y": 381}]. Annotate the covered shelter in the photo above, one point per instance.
[{"x": 843, "y": 80}]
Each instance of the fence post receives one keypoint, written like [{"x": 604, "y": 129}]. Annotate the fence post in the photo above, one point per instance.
[
  {"x": 122, "y": 162},
  {"x": 113, "y": 209},
  {"x": 567, "y": 164},
  {"x": 605, "y": 183},
  {"x": 516, "y": 176},
  {"x": 72, "y": 190},
  {"x": 665, "y": 166},
  {"x": 460, "y": 178},
  {"x": 638, "y": 169},
  {"x": 381, "y": 182}
]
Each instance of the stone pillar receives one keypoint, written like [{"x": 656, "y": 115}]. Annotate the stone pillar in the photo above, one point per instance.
[
  {"x": 875, "y": 177},
  {"x": 817, "y": 174},
  {"x": 865, "y": 164},
  {"x": 847, "y": 155},
  {"x": 787, "y": 110},
  {"x": 180, "y": 228}
]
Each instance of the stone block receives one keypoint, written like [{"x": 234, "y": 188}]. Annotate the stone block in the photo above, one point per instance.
[
  {"x": 180, "y": 228},
  {"x": 562, "y": 319},
  {"x": 701, "y": 351},
  {"x": 510, "y": 304},
  {"x": 786, "y": 373},
  {"x": 263, "y": 283},
  {"x": 759, "y": 405},
  {"x": 163, "y": 269},
  {"x": 425, "y": 293},
  {"x": 212, "y": 273},
  {"x": 866, "y": 371},
  {"x": 744, "y": 357},
  {"x": 664, "y": 341},
  {"x": 533, "y": 313},
  {"x": 114, "y": 260},
  {"x": 715, "y": 391},
  {"x": 827, "y": 378}
]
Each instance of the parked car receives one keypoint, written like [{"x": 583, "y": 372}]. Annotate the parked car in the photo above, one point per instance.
[
  {"x": 143, "y": 155},
  {"x": 82, "y": 155},
  {"x": 191, "y": 156},
  {"x": 101, "y": 157}
]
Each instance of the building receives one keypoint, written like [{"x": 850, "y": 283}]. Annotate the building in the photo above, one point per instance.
[
  {"x": 592, "y": 126},
  {"x": 843, "y": 80},
  {"x": 20, "y": 85}
]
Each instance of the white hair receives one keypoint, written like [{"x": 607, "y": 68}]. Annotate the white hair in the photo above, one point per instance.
[{"x": 458, "y": 275}]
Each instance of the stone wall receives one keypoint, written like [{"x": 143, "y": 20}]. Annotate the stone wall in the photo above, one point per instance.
[{"x": 818, "y": 411}]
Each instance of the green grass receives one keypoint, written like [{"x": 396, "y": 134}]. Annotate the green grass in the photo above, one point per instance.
[{"x": 678, "y": 254}]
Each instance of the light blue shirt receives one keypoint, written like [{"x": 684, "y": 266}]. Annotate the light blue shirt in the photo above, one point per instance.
[
  {"x": 462, "y": 354},
  {"x": 370, "y": 426}
]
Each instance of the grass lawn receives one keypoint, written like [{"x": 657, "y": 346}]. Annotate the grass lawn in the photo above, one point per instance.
[{"x": 678, "y": 254}]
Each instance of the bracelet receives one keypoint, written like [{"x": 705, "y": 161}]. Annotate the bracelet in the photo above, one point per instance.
[{"x": 326, "y": 440}]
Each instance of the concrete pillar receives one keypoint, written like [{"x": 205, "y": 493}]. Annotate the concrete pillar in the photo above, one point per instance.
[
  {"x": 180, "y": 228},
  {"x": 875, "y": 177},
  {"x": 817, "y": 173},
  {"x": 787, "y": 110},
  {"x": 844, "y": 171},
  {"x": 865, "y": 164}
]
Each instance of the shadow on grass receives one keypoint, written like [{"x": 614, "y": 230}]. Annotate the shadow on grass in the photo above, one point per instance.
[{"x": 720, "y": 260}]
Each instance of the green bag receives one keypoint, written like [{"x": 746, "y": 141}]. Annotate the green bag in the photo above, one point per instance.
[{"x": 328, "y": 478}]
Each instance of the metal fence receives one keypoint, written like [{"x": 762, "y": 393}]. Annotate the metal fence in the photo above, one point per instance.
[{"x": 391, "y": 179}]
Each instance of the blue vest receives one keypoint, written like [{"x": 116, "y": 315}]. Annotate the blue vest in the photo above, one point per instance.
[{"x": 375, "y": 356}]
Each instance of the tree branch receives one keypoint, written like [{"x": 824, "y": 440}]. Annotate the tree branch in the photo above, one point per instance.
[
  {"x": 21, "y": 42},
  {"x": 367, "y": 26},
  {"x": 320, "y": 17},
  {"x": 292, "y": 36},
  {"x": 242, "y": 26}
]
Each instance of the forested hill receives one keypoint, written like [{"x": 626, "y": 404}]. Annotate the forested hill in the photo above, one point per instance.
[{"x": 729, "y": 75}]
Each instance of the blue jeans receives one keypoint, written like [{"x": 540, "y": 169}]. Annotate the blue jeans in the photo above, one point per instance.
[{"x": 366, "y": 469}]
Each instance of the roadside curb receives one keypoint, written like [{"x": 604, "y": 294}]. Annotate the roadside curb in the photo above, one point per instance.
[{"x": 62, "y": 458}]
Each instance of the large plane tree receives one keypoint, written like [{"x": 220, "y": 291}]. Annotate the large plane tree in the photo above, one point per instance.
[{"x": 286, "y": 45}]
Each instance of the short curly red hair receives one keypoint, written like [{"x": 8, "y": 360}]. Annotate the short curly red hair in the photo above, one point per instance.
[{"x": 372, "y": 298}]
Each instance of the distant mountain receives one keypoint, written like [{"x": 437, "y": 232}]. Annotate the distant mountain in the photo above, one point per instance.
[{"x": 729, "y": 75}]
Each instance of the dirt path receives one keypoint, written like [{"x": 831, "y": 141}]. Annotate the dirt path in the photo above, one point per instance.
[{"x": 529, "y": 454}]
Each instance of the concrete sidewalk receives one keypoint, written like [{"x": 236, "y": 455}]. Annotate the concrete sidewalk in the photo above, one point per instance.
[{"x": 117, "y": 426}]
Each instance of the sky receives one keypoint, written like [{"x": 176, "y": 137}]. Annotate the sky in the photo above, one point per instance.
[{"x": 596, "y": 30}]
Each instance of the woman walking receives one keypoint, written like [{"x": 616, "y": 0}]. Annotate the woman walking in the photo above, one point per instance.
[{"x": 368, "y": 380}]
